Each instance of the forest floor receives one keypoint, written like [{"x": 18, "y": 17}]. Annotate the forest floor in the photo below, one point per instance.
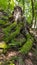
[{"x": 28, "y": 59}]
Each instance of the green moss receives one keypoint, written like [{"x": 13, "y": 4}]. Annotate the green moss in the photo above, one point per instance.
[
  {"x": 3, "y": 22},
  {"x": 17, "y": 30},
  {"x": 7, "y": 31},
  {"x": 8, "y": 36},
  {"x": 27, "y": 46},
  {"x": 8, "y": 28}
]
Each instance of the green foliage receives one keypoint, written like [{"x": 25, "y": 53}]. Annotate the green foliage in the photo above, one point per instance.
[
  {"x": 6, "y": 31},
  {"x": 11, "y": 63},
  {"x": 3, "y": 4},
  {"x": 10, "y": 35},
  {"x": 2, "y": 22},
  {"x": 13, "y": 29},
  {"x": 3, "y": 45}
]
